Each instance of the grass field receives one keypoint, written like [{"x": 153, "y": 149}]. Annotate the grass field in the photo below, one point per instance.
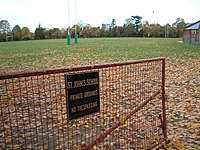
[
  {"x": 34, "y": 55},
  {"x": 182, "y": 71}
]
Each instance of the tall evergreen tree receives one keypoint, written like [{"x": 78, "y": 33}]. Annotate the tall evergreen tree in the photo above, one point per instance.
[
  {"x": 39, "y": 33},
  {"x": 137, "y": 22}
]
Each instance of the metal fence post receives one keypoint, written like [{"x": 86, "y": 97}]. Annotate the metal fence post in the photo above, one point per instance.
[{"x": 163, "y": 100}]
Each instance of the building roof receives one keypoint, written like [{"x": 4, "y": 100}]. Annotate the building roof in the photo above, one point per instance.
[{"x": 194, "y": 26}]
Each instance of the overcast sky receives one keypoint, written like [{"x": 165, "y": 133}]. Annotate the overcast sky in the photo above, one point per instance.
[{"x": 54, "y": 13}]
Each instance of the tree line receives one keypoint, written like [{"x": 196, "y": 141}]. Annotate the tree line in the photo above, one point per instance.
[{"x": 133, "y": 27}]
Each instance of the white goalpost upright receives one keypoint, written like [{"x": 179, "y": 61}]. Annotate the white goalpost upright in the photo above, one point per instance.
[
  {"x": 68, "y": 31},
  {"x": 75, "y": 34}
]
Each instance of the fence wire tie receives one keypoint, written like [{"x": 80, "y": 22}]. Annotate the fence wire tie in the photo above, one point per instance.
[{"x": 122, "y": 119}]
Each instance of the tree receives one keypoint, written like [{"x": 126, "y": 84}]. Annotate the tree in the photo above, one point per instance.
[
  {"x": 39, "y": 33},
  {"x": 130, "y": 30},
  {"x": 4, "y": 29},
  {"x": 180, "y": 27},
  {"x": 56, "y": 33},
  {"x": 86, "y": 30},
  {"x": 26, "y": 34},
  {"x": 113, "y": 28},
  {"x": 63, "y": 33},
  {"x": 16, "y": 32},
  {"x": 137, "y": 22},
  {"x": 120, "y": 31},
  {"x": 4, "y": 26},
  {"x": 113, "y": 24},
  {"x": 48, "y": 33},
  {"x": 172, "y": 32},
  {"x": 178, "y": 20},
  {"x": 81, "y": 23},
  {"x": 155, "y": 30},
  {"x": 78, "y": 29},
  {"x": 177, "y": 28},
  {"x": 127, "y": 22},
  {"x": 145, "y": 29}
]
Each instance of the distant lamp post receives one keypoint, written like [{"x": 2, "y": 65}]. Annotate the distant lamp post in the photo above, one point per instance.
[
  {"x": 75, "y": 37},
  {"x": 166, "y": 31},
  {"x": 154, "y": 16},
  {"x": 68, "y": 33}
]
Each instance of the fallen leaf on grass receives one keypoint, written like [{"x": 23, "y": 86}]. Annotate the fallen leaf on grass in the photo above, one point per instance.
[{"x": 194, "y": 126}]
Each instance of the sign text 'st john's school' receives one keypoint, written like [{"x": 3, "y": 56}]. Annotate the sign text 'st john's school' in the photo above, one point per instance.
[{"x": 82, "y": 94}]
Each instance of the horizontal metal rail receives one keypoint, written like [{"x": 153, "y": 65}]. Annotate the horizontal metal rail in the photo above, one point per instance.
[{"x": 71, "y": 69}]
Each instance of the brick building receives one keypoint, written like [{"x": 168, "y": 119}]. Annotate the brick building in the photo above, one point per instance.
[{"x": 191, "y": 33}]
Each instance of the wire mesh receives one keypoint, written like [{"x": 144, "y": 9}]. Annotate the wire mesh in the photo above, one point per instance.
[{"x": 132, "y": 115}]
